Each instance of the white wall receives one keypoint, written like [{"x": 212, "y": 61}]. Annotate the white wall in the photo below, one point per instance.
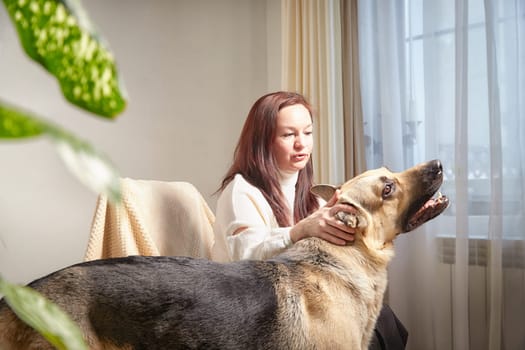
[{"x": 192, "y": 69}]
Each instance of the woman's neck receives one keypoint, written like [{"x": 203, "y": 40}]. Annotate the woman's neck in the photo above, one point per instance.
[{"x": 288, "y": 179}]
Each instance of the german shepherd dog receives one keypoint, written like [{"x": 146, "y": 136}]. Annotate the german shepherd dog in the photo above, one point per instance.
[{"x": 314, "y": 295}]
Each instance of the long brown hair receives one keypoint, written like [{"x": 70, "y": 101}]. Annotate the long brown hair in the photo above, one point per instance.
[{"x": 254, "y": 160}]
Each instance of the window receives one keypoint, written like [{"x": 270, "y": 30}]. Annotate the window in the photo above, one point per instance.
[{"x": 442, "y": 81}]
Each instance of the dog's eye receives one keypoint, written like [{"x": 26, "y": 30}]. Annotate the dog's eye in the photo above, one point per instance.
[{"x": 388, "y": 189}]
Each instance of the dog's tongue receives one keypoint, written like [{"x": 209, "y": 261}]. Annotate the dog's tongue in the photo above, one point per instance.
[{"x": 432, "y": 208}]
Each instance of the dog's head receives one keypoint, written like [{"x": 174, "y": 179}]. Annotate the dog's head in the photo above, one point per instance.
[{"x": 389, "y": 203}]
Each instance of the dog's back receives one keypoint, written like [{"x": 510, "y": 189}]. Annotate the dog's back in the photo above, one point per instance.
[
  {"x": 179, "y": 303},
  {"x": 161, "y": 303}
]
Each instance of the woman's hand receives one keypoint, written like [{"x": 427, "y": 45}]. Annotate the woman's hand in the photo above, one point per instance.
[{"x": 323, "y": 224}]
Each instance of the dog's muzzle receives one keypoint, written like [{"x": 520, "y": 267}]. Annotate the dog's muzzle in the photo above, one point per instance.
[{"x": 432, "y": 173}]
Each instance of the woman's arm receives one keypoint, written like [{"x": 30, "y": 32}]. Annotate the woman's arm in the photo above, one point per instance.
[
  {"x": 245, "y": 225},
  {"x": 258, "y": 242}
]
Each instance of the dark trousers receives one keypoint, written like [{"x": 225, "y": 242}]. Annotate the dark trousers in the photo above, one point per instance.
[{"x": 389, "y": 334}]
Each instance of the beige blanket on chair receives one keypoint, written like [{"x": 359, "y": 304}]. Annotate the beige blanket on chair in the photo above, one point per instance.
[{"x": 154, "y": 218}]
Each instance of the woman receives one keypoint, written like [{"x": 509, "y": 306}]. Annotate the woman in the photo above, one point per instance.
[{"x": 265, "y": 204}]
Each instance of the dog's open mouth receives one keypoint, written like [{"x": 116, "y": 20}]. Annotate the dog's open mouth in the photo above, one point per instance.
[{"x": 432, "y": 208}]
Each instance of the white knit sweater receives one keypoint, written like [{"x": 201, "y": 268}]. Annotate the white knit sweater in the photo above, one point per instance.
[{"x": 242, "y": 205}]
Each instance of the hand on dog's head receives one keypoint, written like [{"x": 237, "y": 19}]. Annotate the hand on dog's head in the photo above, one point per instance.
[{"x": 353, "y": 219}]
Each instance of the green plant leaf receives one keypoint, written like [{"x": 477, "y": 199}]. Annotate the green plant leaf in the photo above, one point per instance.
[
  {"x": 90, "y": 166},
  {"x": 16, "y": 124},
  {"x": 59, "y": 36},
  {"x": 45, "y": 317}
]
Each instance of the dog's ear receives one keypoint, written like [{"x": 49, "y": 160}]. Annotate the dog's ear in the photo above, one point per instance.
[{"x": 324, "y": 191}]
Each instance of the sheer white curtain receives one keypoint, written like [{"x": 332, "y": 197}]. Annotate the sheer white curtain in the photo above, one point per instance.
[{"x": 446, "y": 79}]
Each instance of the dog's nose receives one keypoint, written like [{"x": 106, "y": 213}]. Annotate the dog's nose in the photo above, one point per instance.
[
  {"x": 437, "y": 167},
  {"x": 434, "y": 172}
]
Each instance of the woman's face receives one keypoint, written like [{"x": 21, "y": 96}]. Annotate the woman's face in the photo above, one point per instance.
[{"x": 293, "y": 142}]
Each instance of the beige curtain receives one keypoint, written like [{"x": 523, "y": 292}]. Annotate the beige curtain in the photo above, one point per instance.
[
  {"x": 355, "y": 159},
  {"x": 314, "y": 52}
]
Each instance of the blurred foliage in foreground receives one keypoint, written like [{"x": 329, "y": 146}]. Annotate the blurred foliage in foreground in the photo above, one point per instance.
[{"x": 59, "y": 36}]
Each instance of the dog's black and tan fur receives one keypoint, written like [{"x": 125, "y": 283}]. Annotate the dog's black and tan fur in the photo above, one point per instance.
[{"x": 313, "y": 296}]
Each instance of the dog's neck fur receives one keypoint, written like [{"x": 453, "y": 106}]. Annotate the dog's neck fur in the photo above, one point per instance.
[
  {"x": 356, "y": 270},
  {"x": 363, "y": 252},
  {"x": 371, "y": 247},
  {"x": 375, "y": 245}
]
